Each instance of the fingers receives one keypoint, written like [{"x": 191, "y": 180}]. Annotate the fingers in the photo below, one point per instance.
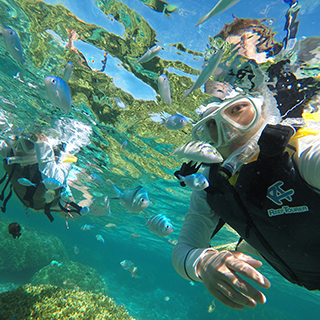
[
  {"x": 247, "y": 270},
  {"x": 221, "y": 273},
  {"x": 253, "y": 262},
  {"x": 232, "y": 298},
  {"x": 247, "y": 292}
]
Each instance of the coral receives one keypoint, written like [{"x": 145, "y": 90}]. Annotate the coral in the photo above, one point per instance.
[
  {"x": 33, "y": 250},
  {"x": 71, "y": 275},
  {"x": 50, "y": 302}
]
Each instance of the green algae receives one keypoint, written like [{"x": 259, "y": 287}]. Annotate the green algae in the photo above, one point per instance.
[
  {"x": 71, "y": 275},
  {"x": 47, "y": 302},
  {"x": 160, "y": 6},
  {"x": 18, "y": 255}
]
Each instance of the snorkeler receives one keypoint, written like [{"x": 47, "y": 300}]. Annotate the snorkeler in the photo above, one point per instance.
[
  {"x": 267, "y": 189},
  {"x": 37, "y": 167}
]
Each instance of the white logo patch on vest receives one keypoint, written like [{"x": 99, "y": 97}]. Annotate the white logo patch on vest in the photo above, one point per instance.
[{"x": 276, "y": 194}]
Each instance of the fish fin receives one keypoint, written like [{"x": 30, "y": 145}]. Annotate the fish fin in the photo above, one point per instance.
[
  {"x": 147, "y": 221},
  {"x": 204, "y": 18},
  {"x": 159, "y": 116},
  {"x": 156, "y": 117},
  {"x": 186, "y": 93},
  {"x": 117, "y": 191},
  {"x": 219, "y": 7}
]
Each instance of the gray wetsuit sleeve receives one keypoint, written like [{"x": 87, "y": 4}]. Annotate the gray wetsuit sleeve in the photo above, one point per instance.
[{"x": 195, "y": 235}]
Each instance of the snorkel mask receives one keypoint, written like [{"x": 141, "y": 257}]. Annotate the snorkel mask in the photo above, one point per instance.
[
  {"x": 24, "y": 152},
  {"x": 222, "y": 123},
  {"x": 24, "y": 146}
]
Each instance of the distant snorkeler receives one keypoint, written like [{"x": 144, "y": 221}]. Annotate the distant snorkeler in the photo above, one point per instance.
[{"x": 37, "y": 167}]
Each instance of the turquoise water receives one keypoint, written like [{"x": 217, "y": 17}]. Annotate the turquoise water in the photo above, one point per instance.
[{"x": 146, "y": 160}]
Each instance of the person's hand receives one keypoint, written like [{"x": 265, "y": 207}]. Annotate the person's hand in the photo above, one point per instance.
[
  {"x": 220, "y": 272},
  {"x": 186, "y": 170}
]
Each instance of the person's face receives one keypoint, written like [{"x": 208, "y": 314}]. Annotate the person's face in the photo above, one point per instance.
[
  {"x": 235, "y": 119},
  {"x": 247, "y": 45}
]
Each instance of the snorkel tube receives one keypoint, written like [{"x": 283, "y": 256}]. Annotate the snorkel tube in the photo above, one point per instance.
[{"x": 271, "y": 115}]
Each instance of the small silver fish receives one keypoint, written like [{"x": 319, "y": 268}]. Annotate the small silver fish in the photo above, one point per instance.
[
  {"x": 124, "y": 145},
  {"x": 221, "y": 6},
  {"x": 120, "y": 103},
  {"x": 86, "y": 227},
  {"x": 51, "y": 183},
  {"x": 49, "y": 196},
  {"x": 196, "y": 181},
  {"x": 160, "y": 225},
  {"x": 148, "y": 55},
  {"x": 107, "y": 204},
  {"x": 198, "y": 151},
  {"x": 58, "y": 92},
  {"x": 100, "y": 238},
  {"x": 67, "y": 72},
  {"x": 134, "y": 200},
  {"x": 206, "y": 72},
  {"x": 26, "y": 183},
  {"x": 175, "y": 122},
  {"x": 130, "y": 266},
  {"x": 12, "y": 43},
  {"x": 55, "y": 264},
  {"x": 171, "y": 122},
  {"x": 164, "y": 89}
]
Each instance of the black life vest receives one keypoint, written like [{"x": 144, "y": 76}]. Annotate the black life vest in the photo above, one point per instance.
[{"x": 276, "y": 212}]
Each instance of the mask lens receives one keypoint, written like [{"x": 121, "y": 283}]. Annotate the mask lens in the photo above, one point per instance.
[
  {"x": 240, "y": 115},
  {"x": 25, "y": 146},
  {"x": 28, "y": 146},
  {"x": 212, "y": 129}
]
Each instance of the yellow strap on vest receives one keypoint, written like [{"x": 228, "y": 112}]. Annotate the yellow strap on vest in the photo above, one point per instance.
[{"x": 302, "y": 132}]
